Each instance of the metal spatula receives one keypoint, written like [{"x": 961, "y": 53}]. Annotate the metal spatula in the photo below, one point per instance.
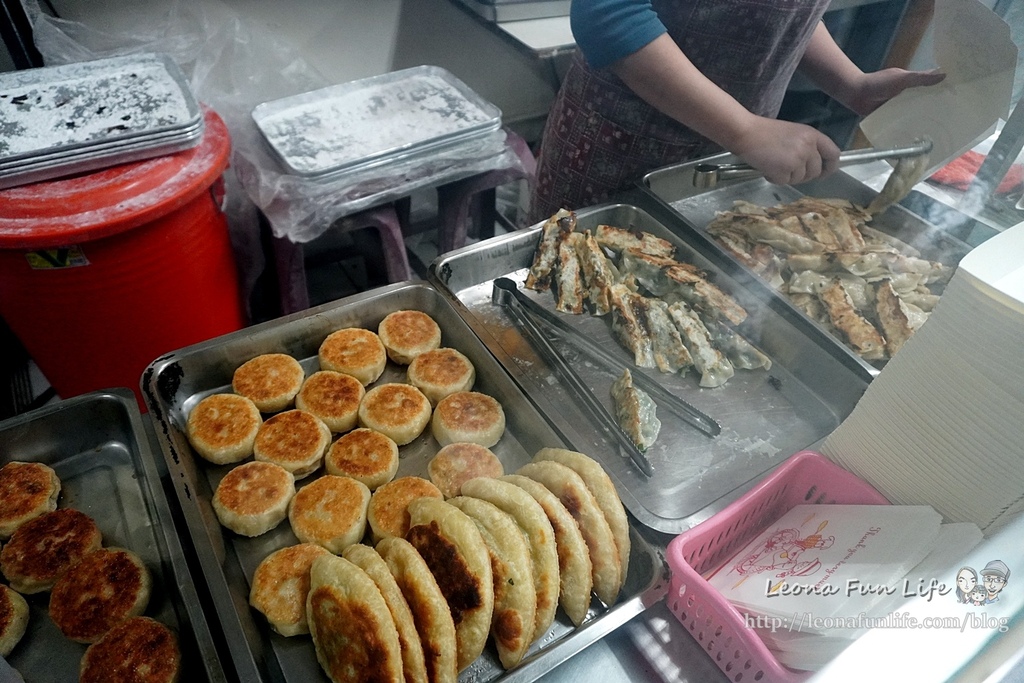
[{"x": 706, "y": 176}]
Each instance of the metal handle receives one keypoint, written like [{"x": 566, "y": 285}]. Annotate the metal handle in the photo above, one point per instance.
[
  {"x": 662, "y": 396},
  {"x": 706, "y": 175},
  {"x": 501, "y": 295}
]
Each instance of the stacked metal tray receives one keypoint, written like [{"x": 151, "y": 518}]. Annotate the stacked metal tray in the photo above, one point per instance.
[
  {"x": 693, "y": 208},
  {"x": 766, "y": 416},
  {"x": 398, "y": 116},
  {"x": 81, "y": 117},
  {"x": 98, "y": 447},
  {"x": 174, "y": 383},
  {"x": 518, "y": 10}
]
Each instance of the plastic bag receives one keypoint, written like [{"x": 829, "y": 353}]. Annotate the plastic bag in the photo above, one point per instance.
[{"x": 233, "y": 65}]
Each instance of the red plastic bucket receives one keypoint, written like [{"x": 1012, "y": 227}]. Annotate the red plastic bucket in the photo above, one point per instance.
[{"x": 102, "y": 273}]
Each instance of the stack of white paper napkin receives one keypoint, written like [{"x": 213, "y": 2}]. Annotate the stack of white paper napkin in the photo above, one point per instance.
[
  {"x": 943, "y": 423},
  {"x": 823, "y": 574}
]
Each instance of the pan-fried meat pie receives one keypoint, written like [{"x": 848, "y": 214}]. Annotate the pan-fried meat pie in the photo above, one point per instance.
[
  {"x": 577, "y": 498},
  {"x": 365, "y": 455},
  {"x": 388, "y": 512},
  {"x": 429, "y": 609},
  {"x": 138, "y": 650},
  {"x": 270, "y": 380},
  {"x": 27, "y": 490},
  {"x": 352, "y": 628},
  {"x": 714, "y": 368},
  {"x": 860, "y": 333},
  {"x": 295, "y": 440},
  {"x": 222, "y": 428},
  {"x": 530, "y": 517},
  {"x": 408, "y": 333},
  {"x": 280, "y": 587},
  {"x": 598, "y": 273},
  {"x": 253, "y": 498},
  {"x": 103, "y": 589},
  {"x": 13, "y": 619},
  {"x": 630, "y": 326},
  {"x": 607, "y": 497},
  {"x": 333, "y": 397},
  {"x": 457, "y": 463},
  {"x": 515, "y": 601},
  {"x": 330, "y": 511},
  {"x": 451, "y": 545},
  {"x": 571, "y": 291},
  {"x": 42, "y": 549},
  {"x": 575, "y": 570},
  {"x": 354, "y": 351},
  {"x": 414, "y": 668},
  {"x": 545, "y": 258},
  {"x": 619, "y": 239}
]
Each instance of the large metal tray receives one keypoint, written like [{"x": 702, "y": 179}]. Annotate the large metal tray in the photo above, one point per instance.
[
  {"x": 518, "y": 10},
  {"x": 765, "y": 416},
  {"x": 75, "y": 106},
  {"x": 673, "y": 188},
  {"x": 374, "y": 120},
  {"x": 97, "y": 445},
  {"x": 174, "y": 383}
]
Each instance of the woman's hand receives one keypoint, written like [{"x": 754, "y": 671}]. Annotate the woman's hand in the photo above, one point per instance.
[
  {"x": 787, "y": 153},
  {"x": 874, "y": 89}
]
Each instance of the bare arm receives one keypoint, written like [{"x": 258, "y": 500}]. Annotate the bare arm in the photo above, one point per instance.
[
  {"x": 827, "y": 65},
  {"x": 665, "y": 78}
]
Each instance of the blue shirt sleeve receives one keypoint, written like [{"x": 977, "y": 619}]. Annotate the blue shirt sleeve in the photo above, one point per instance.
[{"x": 608, "y": 30}]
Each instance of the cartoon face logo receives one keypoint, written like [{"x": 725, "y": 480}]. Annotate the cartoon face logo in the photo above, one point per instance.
[
  {"x": 984, "y": 589},
  {"x": 966, "y": 580}
]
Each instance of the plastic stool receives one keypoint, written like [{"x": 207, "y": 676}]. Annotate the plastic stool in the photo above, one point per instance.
[
  {"x": 289, "y": 257},
  {"x": 455, "y": 200}
]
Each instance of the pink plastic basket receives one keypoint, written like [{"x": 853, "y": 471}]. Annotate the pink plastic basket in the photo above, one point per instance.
[{"x": 806, "y": 477}]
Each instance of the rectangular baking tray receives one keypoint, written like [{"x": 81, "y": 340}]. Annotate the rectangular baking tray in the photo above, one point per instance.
[
  {"x": 174, "y": 383},
  {"x": 75, "y": 106},
  {"x": 375, "y": 120},
  {"x": 98, "y": 447},
  {"x": 765, "y": 416},
  {"x": 518, "y": 10},
  {"x": 673, "y": 187},
  {"x": 84, "y": 160}
]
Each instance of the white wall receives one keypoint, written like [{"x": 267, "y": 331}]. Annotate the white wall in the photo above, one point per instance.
[
  {"x": 349, "y": 39},
  {"x": 343, "y": 39}
]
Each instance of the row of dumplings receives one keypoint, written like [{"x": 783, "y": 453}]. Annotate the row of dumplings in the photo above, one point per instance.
[
  {"x": 443, "y": 575},
  {"x": 97, "y": 594}
]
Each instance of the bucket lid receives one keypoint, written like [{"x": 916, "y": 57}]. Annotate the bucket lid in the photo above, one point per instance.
[{"x": 94, "y": 205}]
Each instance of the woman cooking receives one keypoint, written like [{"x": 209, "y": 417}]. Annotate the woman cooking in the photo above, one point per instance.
[{"x": 656, "y": 82}]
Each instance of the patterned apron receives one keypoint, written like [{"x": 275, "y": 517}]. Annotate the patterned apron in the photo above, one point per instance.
[{"x": 600, "y": 138}]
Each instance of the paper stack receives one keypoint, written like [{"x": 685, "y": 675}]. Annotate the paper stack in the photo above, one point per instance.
[
  {"x": 810, "y": 650},
  {"x": 823, "y": 574},
  {"x": 943, "y": 423}
]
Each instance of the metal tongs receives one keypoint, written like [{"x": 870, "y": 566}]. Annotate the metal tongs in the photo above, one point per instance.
[
  {"x": 706, "y": 176},
  {"x": 529, "y": 317}
]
